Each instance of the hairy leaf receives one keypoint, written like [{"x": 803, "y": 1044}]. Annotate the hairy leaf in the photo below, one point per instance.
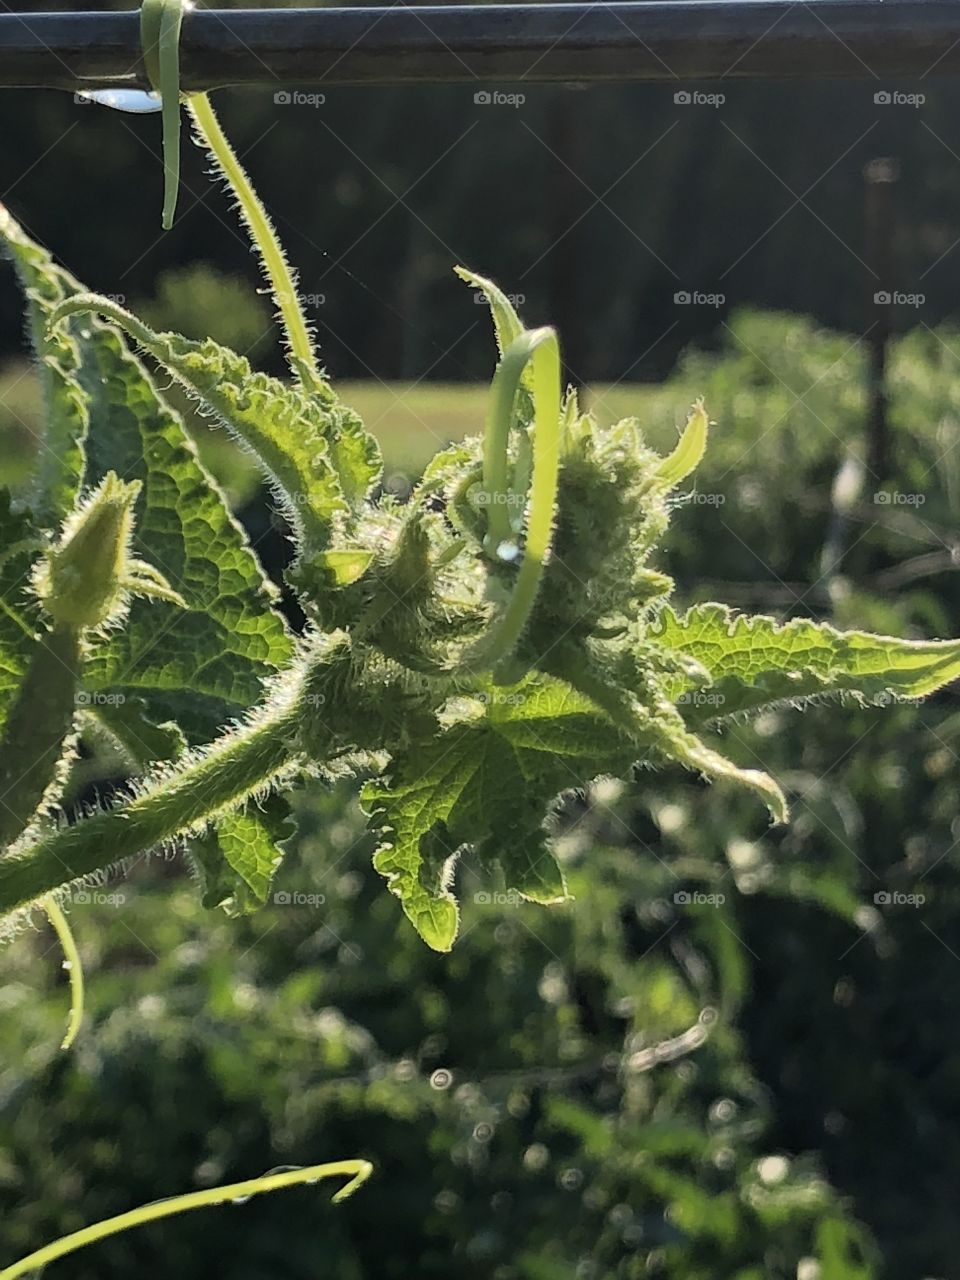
[
  {"x": 315, "y": 451},
  {"x": 18, "y": 606},
  {"x": 59, "y": 466},
  {"x": 199, "y": 665},
  {"x": 237, "y": 860},
  {"x": 488, "y": 779},
  {"x": 756, "y": 661},
  {"x": 218, "y": 651},
  {"x": 506, "y": 323}
]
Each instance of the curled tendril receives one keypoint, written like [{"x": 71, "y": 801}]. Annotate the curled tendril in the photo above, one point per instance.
[
  {"x": 358, "y": 1171},
  {"x": 72, "y": 964}
]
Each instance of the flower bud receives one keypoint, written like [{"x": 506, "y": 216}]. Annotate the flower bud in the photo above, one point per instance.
[{"x": 81, "y": 583}]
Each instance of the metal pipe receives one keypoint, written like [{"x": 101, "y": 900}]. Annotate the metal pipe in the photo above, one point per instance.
[{"x": 665, "y": 40}]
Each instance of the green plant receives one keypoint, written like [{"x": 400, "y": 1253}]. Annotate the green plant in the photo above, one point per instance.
[
  {"x": 472, "y": 653},
  {"x": 475, "y": 651}
]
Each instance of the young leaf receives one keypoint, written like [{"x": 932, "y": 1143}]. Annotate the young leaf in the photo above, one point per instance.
[
  {"x": 488, "y": 778},
  {"x": 203, "y": 664},
  {"x": 690, "y": 449},
  {"x": 209, "y": 660},
  {"x": 756, "y": 661},
  {"x": 313, "y": 450},
  {"x": 237, "y": 860},
  {"x": 507, "y": 324},
  {"x": 59, "y": 466},
  {"x": 507, "y": 328}
]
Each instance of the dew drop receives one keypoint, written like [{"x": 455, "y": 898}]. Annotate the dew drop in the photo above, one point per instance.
[
  {"x": 67, "y": 964},
  {"x": 136, "y": 101},
  {"x": 241, "y": 1199},
  {"x": 508, "y": 551}
]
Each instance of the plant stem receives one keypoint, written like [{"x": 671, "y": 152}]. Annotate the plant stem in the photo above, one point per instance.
[
  {"x": 226, "y": 775},
  {"x": 301, "y": 355}
]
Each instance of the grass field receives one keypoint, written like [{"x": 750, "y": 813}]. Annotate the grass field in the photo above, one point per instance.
[{"x": 411, "y": 422}]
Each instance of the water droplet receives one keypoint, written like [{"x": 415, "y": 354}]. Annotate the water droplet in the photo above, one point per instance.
[
  {"x": 441, "y": 1079},
  {"x": 67, "y": 964},
  {"x": 136, "y": 101},
  {"x": 240, "y": 1199},
  {"x": 508, "y": 551}
]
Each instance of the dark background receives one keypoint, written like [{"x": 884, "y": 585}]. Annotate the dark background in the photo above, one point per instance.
[{"x": 597, "y": 204}]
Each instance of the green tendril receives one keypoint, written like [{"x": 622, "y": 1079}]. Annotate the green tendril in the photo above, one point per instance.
[
  {"x": 358, "y": 1171},
  {"x": 160, "y": 24},
  {"x": 160, "y": 27},
  {"x": 72, "y": 964},
  {"x": 283, "y": 285},
  {"x": 538, "y": 347}
]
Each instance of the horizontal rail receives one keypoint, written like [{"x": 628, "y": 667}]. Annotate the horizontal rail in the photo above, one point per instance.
[{"x": 650, "y": 40}]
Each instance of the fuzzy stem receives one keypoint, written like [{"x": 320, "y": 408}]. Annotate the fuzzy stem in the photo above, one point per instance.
[
  {"x": 302, "y": 358},
  {"x": 31, "y": 746},
  {"x": 229, "y": 772}
]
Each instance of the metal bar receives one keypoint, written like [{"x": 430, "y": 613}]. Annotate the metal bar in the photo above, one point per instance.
[{"x": 496, "y": 43}]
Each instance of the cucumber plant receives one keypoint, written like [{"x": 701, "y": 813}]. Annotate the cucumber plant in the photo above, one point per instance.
[{"x": 470, "y": 654}]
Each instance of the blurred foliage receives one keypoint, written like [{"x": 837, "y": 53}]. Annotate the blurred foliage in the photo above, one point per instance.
[
  {"x": 201, "y": 301},
  {"x": 716, "y": 1063}
]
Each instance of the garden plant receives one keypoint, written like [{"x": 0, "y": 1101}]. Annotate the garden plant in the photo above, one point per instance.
[{"x": 469, "y": 654}]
